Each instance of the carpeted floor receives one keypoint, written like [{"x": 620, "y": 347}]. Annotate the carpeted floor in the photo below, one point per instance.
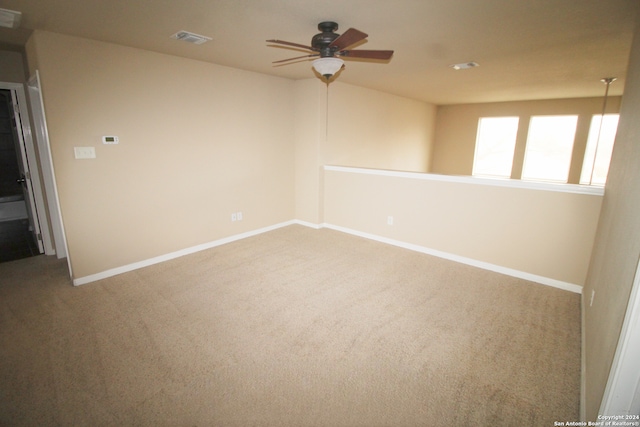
[{"x": 295, "y": 327}]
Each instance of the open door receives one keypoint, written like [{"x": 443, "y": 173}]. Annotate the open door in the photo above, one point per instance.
[
  {"x": 46, "y": 166},
  {"x": 622, "y": 393},
  {"x": 24, "y": 177}
]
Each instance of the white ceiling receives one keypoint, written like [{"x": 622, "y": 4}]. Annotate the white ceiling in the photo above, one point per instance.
[{"x": 527, "y": 49}]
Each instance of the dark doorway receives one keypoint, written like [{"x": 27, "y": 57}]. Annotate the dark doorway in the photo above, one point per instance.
[{"x": 16, "y": 236}]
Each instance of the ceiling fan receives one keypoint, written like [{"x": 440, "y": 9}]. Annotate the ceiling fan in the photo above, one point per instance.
[{"x": 329, "y": 46}]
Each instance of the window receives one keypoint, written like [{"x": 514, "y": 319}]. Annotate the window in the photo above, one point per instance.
[
  {"x": 495, "y": 144},
  {"x": 547, "y": 156},
  {"x": 599, "y": 148}
]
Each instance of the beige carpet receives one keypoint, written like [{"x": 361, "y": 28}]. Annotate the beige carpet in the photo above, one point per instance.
[{"x": 295, "y": 327}]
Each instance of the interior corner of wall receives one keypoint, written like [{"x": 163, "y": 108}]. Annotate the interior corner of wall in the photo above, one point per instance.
[{"x": 32, "y": 52}]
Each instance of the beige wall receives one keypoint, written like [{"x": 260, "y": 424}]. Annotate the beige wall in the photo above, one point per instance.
[
  {"x": 617, "y": 246},
  {"x": 197, "y": 142},
  {"x": 310, "y": 137},
  {"x": 364, "y": 128},
  {"x": 372, "y": 129},
  {"x": 543, "y": 233},
  {"x": 457, "y": 126},
  {"x": 12, "y": 69}
]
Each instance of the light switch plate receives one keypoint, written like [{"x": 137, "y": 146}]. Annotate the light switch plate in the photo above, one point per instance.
[{"x": 84, "y": 152}]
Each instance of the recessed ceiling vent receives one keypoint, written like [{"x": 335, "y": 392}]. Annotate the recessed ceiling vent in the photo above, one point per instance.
[
  {"x": 186, "y": 36},
  {"x": 10, "y": 18},
  {"x": 464, "y": 65}
]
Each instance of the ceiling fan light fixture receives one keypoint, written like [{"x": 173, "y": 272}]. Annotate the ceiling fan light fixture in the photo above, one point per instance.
[
  {"x": 328, "y": 45},
  {"x": 327, "y": 66}
]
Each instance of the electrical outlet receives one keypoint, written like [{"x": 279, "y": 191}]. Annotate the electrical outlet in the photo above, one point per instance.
[
  {"x": 239, "y": 216},
  {"x": 389, "y": 220},
  {"x": 234, "y": 217}
]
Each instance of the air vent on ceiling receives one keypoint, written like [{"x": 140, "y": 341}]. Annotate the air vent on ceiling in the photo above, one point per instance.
[
  {"x": 464, "y": 65},
  {"x": 10, "y": 18},
  {"x": 186, "y": 36}
]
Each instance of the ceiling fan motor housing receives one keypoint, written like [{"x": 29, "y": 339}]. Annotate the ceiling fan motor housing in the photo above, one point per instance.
[{"x": 321, "y": 41}]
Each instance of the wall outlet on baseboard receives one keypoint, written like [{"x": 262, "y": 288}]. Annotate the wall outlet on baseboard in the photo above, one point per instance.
[{"x": 389, "y": 220}]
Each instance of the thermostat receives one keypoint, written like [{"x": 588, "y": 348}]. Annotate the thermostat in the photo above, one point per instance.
[{"x": 110, "y": 140}]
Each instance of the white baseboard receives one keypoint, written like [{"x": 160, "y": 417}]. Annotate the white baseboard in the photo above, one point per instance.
[
  {"x": 156, "y": 260},
  {"x": 452, "y": 257},
  {"x": 308, "y": 224},
  {"x": 469, "y": 261},
  {"x": 583, "y": 363}
]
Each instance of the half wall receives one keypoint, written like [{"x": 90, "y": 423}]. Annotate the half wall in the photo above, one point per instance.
[{"x": 541, "y": 232}]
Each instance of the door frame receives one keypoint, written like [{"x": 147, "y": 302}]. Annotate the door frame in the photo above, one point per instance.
[
  {"x": 622, "y": 393},
  {"x": 28, "y": 155},
  {"x": 46, "y": 167}
]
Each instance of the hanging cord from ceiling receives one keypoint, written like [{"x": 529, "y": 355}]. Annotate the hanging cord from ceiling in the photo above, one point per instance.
[
  {"x": 607, "y": 81},
  {"x": 326, "y": 116}
]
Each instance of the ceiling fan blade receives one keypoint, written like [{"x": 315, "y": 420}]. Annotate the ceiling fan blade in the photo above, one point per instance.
[
  {"x": 370, "y": 54},
  {"x": 297, "y": 57},
  {"x": 290, "y": 44},
  {"x": 349, "y": 37}
]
